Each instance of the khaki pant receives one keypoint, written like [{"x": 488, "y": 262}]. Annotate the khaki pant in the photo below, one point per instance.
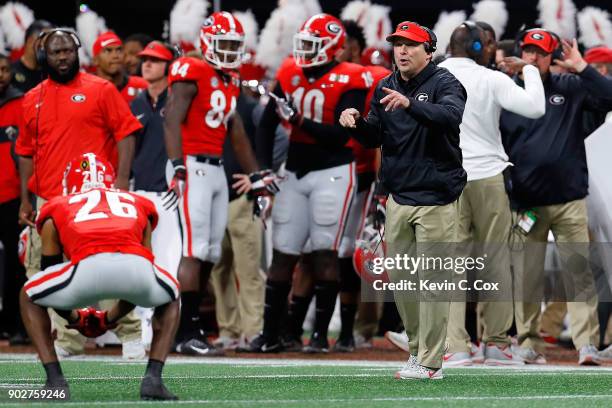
[
  {"x": 238, "y": 284},
  {"x": 418, "y": 231},
  {"x": 485, "y": 218},
  {"x": 568, "y": 223},
  {"x": 72, "y": 341}
]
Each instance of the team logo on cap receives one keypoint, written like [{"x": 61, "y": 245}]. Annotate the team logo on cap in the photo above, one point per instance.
[
  {"x": 423, "y": 97},
  {"x": 334, "y": 28},
  {"x": 557, "y": 99},
  {"x": 214, "y": 82},
  {"x": 537, "y": 36},
  {"x": 405, "y": 27},
  {"x": 78, "y": 98}
]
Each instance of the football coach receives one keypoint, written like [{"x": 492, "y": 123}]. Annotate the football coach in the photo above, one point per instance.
[{"x": 415, "y": 116}]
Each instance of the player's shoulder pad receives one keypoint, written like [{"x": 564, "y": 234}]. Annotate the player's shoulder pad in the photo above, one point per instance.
[
  {"x": 287, "y": 67},
  {"x": 188, "y": 69},
  {"x": 352, "y": 76}
]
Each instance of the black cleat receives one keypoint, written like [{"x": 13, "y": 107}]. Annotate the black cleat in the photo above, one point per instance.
[
  {"x": 19, "y": 339},
  {"x": 58, "y": 385},
  {"x": 198, "y": 347},
  {"x": 153, "y": 388},
  {"x": 317, "y": 344},
  {"x": 262, "y": 344},
  {"x": 291, "y": 344},
  {"x": 344, "y": 345}
]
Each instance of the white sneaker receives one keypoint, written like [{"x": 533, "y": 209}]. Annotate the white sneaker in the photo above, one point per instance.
[
  {"x": 495, "y": 355},
  {"x": 226, "y": 343},
  {"x": 133, "y": 350},
  {"x": 459, "y": 359},
  {"x": 399, "y": 340},
  {"x": 477, "y": 353},
  {"x": 605, "y": 356},
  {"x": 62, "y": 353},
  {"x": 418, "y": 372},
  {"x": 529, "y": 355},
  {"x": 589, "y": 356},
  {"x": 361, "y": 342}
]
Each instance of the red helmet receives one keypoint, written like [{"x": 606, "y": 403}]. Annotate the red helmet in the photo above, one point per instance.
[
  {"x": 369, "y": 255},
  {"x": 86, "y": 172},
  {"x": 222, "y": 40},
  {"x": 317, "y": 42}
]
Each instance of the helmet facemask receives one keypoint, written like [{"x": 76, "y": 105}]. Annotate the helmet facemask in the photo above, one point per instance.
[
  {"x": 224, "y": 50},
  {"x": 310, "y": 50}
]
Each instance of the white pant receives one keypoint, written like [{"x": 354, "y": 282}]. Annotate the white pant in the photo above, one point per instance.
[
  {"x": 203, "y": 210},
  {"x": 102, "y": 276},
  {"x": 313, "y": 208}
]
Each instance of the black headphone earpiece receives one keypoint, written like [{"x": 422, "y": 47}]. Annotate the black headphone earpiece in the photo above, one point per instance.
[
  {"x": 176, "y": 53},
  {"x": 41, "y": 52},
  {"x": 430, "y": 46},
  {"x": 473, "y": 45}
]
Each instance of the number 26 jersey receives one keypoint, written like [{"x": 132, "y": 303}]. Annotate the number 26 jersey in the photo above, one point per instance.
[
  {"x": 100, "y": 220},
  {"x": 204, "y": 129}
]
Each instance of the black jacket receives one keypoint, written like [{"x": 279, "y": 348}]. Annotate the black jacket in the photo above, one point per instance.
[
  {"x": 421, "y": 158},
  {"x": 149, "y": 167},
  {"x": 548, "y": 153}
]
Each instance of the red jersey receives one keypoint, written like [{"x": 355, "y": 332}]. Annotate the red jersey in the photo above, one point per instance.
[
  {"x": 133, "y": 87},
  {"x": 10, "y": 125},
  {"x": 84, "y": 115},
  {"x": 205, "y": 127},
  {"x": 366, "y": 158},
  {"x": 100, "y": 220},
  {"x": 317, "y": 100}
]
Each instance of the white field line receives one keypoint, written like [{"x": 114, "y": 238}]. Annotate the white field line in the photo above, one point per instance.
[{"x": 338, "y": 400}]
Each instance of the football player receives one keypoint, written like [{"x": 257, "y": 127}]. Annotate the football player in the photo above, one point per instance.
[
  {"x": 105, "y": 234},
  {"x": 200, "y": 107},
  {"x": 318, "y": 187}
]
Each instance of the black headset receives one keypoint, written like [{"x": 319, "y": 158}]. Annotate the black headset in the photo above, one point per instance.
[
  {"x": 176, "y": 51},
  {"x": 41, "y": 52},
  {"x": 557, "y": 52},
  {"x": 473, "y": 44},
  {"x": 430, "y": 46}
]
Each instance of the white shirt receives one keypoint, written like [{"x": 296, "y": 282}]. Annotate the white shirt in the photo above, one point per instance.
[{"x": 488, "y": 92}]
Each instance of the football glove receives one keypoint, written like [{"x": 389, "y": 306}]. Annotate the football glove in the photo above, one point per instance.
[
  {"x": 91, "y": 322},
  {"x": 286, "y": 110},
  {"x": 176, "y": 187}
]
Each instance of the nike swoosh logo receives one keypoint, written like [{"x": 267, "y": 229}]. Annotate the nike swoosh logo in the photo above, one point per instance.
[
  {"x": 199, "y": 350},
  {"x": 265, "y": 348},
  {"x": 140, "y": 116},
  {"x": 105, "y": 43}
]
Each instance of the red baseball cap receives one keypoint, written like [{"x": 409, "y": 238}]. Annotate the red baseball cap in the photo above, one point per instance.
[
  {"x": 155, "y": 49},
  {"x": 411, "y": 31},
  {"x": 540, "y": 38},
  {"x": 105, "y": 40},
  {"x": 598, "y": 54}
]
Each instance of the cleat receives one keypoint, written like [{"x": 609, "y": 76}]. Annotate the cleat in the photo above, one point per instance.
[
  {"x": 262, "y": 344},
  {"x": 153, "y": 389},
  {"x": 292, "y": 344},
  {"x": 460, "y": 359},
  {"x": 589, "y": 356},
  {"x": 198, "y": 347},
  {"x": 344, "y": 345},
  {"x": 495, "y": 355},
  {"x": 605, "y": 356},
  {"x": 477, "y": 353},
  {"x": 529, "y": 355},
  {"x": 317, "y": 344},
  {"x": 399, "y": 340}
]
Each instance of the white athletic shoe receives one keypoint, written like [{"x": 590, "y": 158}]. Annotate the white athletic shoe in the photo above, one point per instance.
[
  {"x": 133, "y": 350},
  {"x": 477, "y": 353},
  {"x": 529, "y": 355},
  {"x": 226, "y": 343},
  {"x": 605, "y": 356},
  {"x": 460, "y": 359},
  {"x": 495, "y": 355},
  {"x": 410, "y": 366},
  {"x": 418, "y": 372},
  {"x": 362, "y": 343},
  {"x": 399, "y": 340},
  {"x": 62, "y": 353},
  {"x": 589, "y": 356}
]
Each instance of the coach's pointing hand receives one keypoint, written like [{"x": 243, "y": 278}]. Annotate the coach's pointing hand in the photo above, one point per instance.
[
  {"x": 348, "y": 117},
  {"x": 394, "y": 100}
]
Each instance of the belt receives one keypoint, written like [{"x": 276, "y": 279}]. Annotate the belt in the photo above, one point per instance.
[{"x": 215, "y": 161}]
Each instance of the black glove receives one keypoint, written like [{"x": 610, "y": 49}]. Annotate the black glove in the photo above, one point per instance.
[{"x": 177, "y": 185}]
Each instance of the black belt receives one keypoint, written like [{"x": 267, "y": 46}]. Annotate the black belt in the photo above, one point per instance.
[{"x": 215, "y": 161}]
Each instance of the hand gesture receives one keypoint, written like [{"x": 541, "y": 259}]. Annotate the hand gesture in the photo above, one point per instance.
[
  {"x": 349, "y": 117},
  {"x": 27, "y": 215},
  {"x": 572, "y": 59},
  {"x": 394, "y": 100},
  {"x": 511, "y": 65}
]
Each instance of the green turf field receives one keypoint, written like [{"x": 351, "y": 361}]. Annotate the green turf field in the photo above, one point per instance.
[{"x": 290, "y": 383}]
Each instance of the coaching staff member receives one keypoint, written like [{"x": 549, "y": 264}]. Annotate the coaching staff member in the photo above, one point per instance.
[
  {"x": 415, "y": 115},
  {"x": 66, "y": 115}
]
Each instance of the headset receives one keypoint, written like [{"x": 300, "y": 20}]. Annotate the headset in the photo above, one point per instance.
[
  {"x": 430, "y": 46},
  {"x": 176, "y": 51},
  {"x": 473, "y": 44},
  {"x": 557, "y": 52},
  {"x": 41, "y": 52}
]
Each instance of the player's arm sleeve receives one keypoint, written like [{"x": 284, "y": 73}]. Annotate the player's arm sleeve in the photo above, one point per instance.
[
  {"x": 447, "y": 111},
  {"x": 334, "y": 135},
  {"x": 598, "y": 90},
  {"x": 529, "y": 102},
  {"x": 368, "y": 132},
  {"x": 266, "y": 131},
  {"x": 117, "y": 113}
]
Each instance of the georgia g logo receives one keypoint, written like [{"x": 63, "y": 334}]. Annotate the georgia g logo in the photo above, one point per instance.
[
  {"x": 333, "y": 28},
  {"x": 537, "y": 36},
  {"x": 78, "y": 98},
  {"x": 423, "y": 97},
  {"x": 557, "y": 99}
]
